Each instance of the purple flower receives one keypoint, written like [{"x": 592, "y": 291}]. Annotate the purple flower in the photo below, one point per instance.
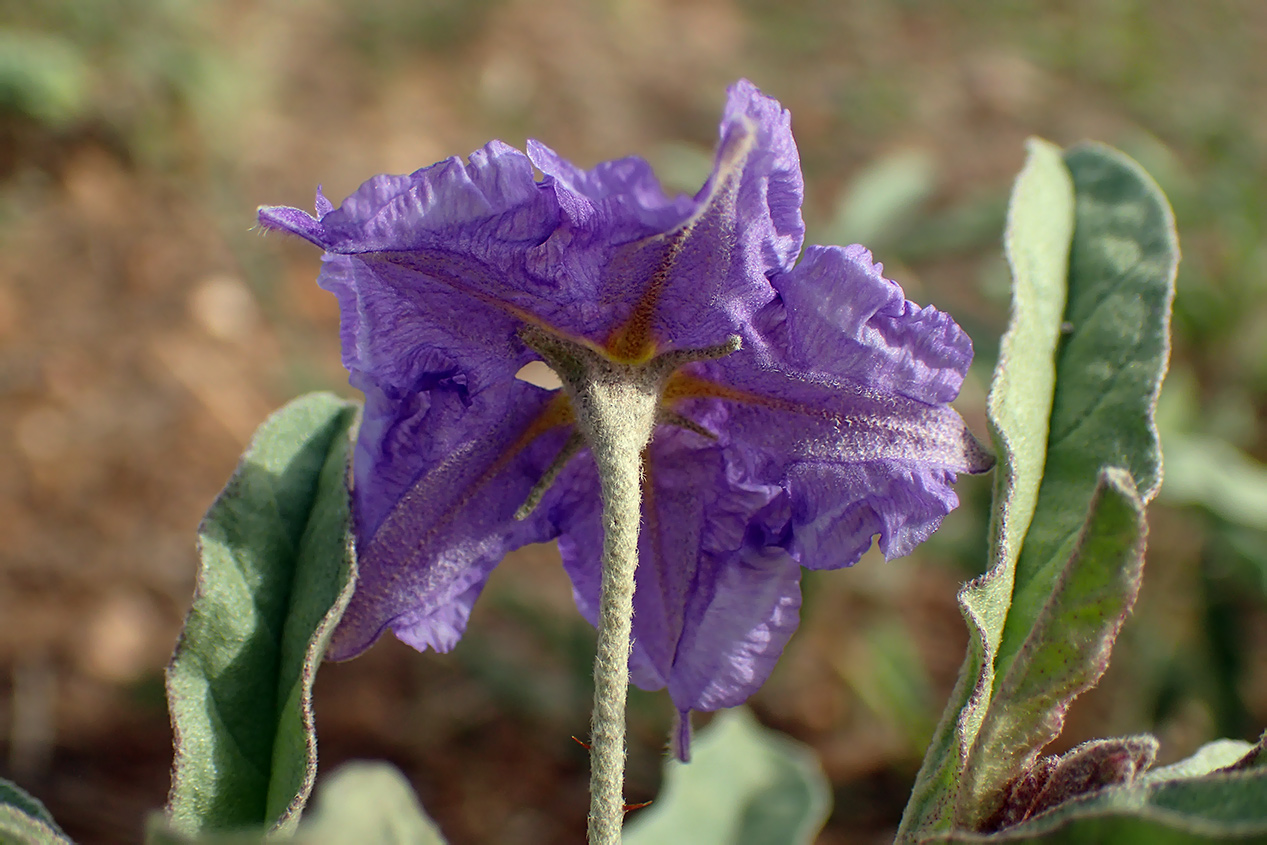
[{"x": 829, "y": 426}]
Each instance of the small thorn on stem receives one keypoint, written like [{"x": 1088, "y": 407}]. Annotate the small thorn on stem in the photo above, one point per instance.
[
  {"x": 629, "y": 807},
  {"x": 581, "y": 742}
]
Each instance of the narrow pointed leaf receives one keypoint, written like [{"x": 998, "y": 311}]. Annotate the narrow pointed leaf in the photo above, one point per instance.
[
  {"x": 1039, "y": 232},
  {"x": 745, "y": 785},
  {"x": 24, "y": 819},
  {"x": 276, "y": 572},
  {"x": 1067, "y": 650}
]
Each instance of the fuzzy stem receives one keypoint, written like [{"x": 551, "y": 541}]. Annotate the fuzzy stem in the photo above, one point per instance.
[
  {"x": 615, "y": 405},
  {"x": 619, "y": 419}
]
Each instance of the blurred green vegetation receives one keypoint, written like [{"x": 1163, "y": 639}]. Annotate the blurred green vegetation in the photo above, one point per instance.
[{"x": 910, "y": 116}]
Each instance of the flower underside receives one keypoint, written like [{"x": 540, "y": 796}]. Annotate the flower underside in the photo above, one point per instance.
[{"x": 800, "y": 409}]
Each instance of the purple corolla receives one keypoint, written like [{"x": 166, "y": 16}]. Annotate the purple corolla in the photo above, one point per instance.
[{"x": 827, "y": 428}]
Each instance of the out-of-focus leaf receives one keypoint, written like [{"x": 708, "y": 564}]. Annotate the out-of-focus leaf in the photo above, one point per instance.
[
  {"x": 971, "y": 225},
  {"x": 1214, "y": 474},
  {"x": 23, "y": 819},
  {"x": 888, "y": 675},
  {"x": 42, "y": 75},
  {"x": 882, "y": 198},
  {"x": 1039, "y": 231},
  {"x": 1068, "y": 647},
  {"x": 277, "y": 569},
  {"x": 367, "y": 804},
  {"x": 745, "y": 785}
]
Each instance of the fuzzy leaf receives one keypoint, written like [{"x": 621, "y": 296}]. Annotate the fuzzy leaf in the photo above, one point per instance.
[
  {"x": 23, "y": 819},
  {"x": 745, "y": 785},
  {"x": 1052, "y": 781},
  {"x": 1255, "y": 757},
  {"x": 1067, "y": 650},
  {"x": 1219, "y": 807},
  {"x": 1109, "y": 368},
  {"x": 1220, "y": 754},
  {"x": 277, "y": 569},
  {"x": 1039, "y": 231}
]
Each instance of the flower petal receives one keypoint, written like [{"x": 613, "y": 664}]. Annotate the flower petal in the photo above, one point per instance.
[
  {"x": 438, "y": 484},
  {"x": 472, "y": 229},
  {"x": 845, "y": 320},
  {"x": 856, "y": 462},
  {"x": 709, "y": 276},
  {"x": 624, "y": 195},
  {"x": 771, "y": 189}
]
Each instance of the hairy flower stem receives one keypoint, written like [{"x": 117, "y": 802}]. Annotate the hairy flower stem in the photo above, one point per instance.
[
  {"x": 618, "y": 418},
  {"x": 617, "y": 405}
]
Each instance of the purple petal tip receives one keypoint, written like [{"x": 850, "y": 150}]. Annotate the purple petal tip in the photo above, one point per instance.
[{"x": 293, "y": 220}]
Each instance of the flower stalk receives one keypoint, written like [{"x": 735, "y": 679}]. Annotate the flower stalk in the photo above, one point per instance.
[
  {"x": 618, "y": 455},
  {"x": 617, "y": 405}
]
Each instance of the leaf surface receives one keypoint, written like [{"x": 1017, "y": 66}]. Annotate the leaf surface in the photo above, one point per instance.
[
  {"x": 23, "y": 818},
  {"x": 1109, "y": 368},
  {"x": 276, "y": 571},
  {"x": 1039, "y": 232},
  {"x": 745, "y": 785}
]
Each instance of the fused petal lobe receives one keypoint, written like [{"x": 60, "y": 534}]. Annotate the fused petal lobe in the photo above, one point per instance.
[
  {"x": 845, "y": 320},
  {"x": 436, "y": 537}
]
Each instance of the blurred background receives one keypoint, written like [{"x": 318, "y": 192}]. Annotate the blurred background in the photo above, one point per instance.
[{"x": 146, "y": 328}]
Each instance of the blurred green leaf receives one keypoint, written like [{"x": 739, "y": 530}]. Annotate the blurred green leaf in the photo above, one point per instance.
[
  {"x": 42, "y": 75},
  {"x": 277, "y": 569},
  {"x": 882, "y": 198},
  {"x": 970, "y": 225},
  {"x": 886, "y": 672},
  {"x": 23, "y": 819},
  {"x": 1067, "y": 650},
  {"x": 745, "y": 785},
  {"x": 1039, "y": 231},
  {"x": 1214, "y": 474},
  {"x": 369, "y": 804}
]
